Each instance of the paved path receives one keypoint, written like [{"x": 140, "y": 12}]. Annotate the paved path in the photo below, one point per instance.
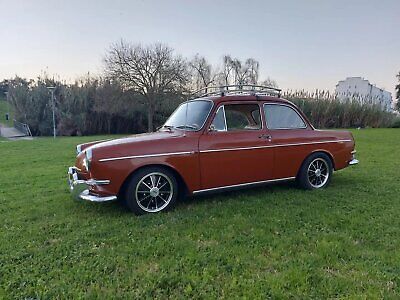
[{"x": 12, "y": 133}]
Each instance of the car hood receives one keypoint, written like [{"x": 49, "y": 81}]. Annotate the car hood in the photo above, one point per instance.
[{"x": 144, "y": 137}]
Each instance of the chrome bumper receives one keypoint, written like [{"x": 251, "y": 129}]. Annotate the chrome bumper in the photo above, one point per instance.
[
  {"x": 79, "y": 188},
  {"x": 353, "y": 160}
]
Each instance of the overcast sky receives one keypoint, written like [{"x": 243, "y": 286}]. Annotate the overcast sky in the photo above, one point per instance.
[{"x": 301, "y": 44}]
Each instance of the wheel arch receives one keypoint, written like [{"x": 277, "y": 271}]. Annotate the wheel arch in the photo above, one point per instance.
[
  {"x": 329, "y": 154},
  {"x": 182, "y": 186}
]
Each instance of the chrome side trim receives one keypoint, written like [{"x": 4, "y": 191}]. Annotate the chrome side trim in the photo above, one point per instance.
[
  {"x": 243, "y": 184},
  {"x": 273, "y": 146},
  {"x": 219, "y": 150},
  {"x": 146, "y": 155},
  {"x": 234, "y": 149}
]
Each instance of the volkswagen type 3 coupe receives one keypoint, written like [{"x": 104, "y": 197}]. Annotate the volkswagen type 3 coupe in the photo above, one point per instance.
[{"x": 229, "y": 137}]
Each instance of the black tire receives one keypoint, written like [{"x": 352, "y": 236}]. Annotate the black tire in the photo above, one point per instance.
[
  {"x": 151, "y": 190},
  {"x": 313, "y": 171}
]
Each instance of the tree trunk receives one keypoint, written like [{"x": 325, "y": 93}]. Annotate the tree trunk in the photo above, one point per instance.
[{"x": 150, "y": 115}]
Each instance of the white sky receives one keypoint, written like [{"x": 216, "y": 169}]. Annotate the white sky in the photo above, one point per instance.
[{"x": 301, "y": 44}]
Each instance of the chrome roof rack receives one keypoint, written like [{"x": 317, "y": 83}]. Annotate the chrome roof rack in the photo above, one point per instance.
[{"x": 237, "y": 89}]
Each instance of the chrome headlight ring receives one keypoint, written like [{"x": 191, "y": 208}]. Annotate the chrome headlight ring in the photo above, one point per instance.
[
  {"x": 78, "y": 149},
  {"x": 88, "y": 159}
]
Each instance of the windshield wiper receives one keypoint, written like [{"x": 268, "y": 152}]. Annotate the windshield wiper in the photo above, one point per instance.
[{"x": 187, "y": 126}]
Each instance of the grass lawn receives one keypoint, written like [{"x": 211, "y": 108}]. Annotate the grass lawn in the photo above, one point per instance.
[
  {"x": 4, "y": 108},
  {"x": 270, "y": 242}
]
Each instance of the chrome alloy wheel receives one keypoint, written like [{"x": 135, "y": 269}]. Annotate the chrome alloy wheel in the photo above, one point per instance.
[
  {"x": 318, "y": 173},
  {"x": 154, "y": 192}
]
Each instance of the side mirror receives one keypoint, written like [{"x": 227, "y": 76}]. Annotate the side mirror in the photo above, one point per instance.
[{"x": 212, "y": 128}]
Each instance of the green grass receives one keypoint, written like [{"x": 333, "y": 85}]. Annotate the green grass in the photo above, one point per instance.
[
  {"x": 5, "y": 108},
  {"x": 270, "y": 242}
]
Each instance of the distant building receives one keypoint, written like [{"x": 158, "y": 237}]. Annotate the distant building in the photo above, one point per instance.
[{"x": 360, "y": 89}]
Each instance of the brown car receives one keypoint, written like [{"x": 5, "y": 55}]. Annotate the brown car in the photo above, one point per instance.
[{"x": 229, "y": 137}]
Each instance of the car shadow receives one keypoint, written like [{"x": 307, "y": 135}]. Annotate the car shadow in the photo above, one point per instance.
[
  {"x": 118, "y": 208},
  {"x": 230, "y": 194}
]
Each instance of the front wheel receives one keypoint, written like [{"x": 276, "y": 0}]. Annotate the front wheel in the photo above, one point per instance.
[
  {"x": 316, "y": 172},
  {"x": 151, "y": 190}
]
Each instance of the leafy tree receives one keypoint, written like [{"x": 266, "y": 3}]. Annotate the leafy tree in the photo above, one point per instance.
[{"x": 3, "y": 88}]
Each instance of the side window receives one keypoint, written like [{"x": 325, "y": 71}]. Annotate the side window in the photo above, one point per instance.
[
  {"x": 255, "y": 114},
  {"x": 232, "y": 117},
  {"x": 218, "y": 123},
  {"x": 282, "y": 117}
]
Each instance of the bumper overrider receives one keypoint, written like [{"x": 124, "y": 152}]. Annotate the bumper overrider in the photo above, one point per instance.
[
  {"x": 353, "y": 160},
  {"x": 80, "y": 188}
]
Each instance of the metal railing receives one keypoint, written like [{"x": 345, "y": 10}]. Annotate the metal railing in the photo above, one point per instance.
[
  {"x": 24, "y": 128},
  {"x": 237, "y": 89}
]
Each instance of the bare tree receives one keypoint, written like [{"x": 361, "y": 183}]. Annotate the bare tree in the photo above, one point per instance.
[
  {"x": 149, "y": 70},
  {"x": 235, "y": 71},
  {"x": 246, "y": 73},
  {"x": 203, "y": 74},
  {"x": 269, "y": 82},
  {"x": 225, "y": 77}
]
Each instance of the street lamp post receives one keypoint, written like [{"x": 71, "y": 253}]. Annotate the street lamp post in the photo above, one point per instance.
[
  {"x": 51, "y": 89},
  {"x": 8, "y": 107}
]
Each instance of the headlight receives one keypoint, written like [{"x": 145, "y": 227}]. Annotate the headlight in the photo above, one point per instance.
[
  {"x": 78, "y": 149},
  {"x": 88, "y": 159}
]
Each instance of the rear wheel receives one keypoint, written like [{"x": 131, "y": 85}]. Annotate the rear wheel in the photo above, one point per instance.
[
  {"x": 316, "y": 172},
  {"x": 151, "y": 190}
]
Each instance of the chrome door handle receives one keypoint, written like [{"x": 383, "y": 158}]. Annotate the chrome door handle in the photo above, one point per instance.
[{"x": 265, "y": 136}]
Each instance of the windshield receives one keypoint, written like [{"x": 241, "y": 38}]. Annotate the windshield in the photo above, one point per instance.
[{"x": 190, "y": 115}]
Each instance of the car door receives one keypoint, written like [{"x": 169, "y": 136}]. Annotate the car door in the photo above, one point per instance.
[
  {"x": 290, "y": 136},
  {"x": 235, "y": 150}
]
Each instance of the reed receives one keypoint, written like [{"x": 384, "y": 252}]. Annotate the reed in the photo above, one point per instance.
[{"x": 325, "y": 110}]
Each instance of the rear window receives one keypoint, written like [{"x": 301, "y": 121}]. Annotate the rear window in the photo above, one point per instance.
[{"x": 282, "y": 117}]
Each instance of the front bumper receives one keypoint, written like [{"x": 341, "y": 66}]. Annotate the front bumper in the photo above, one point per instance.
[
  {"x": 80, "y": 188},
  {"x": 353, "y": 160}
]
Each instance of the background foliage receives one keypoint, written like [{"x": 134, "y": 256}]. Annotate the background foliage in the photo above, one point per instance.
[
  {"x": 142, "y": 85},
  {"x": 398, "y": 93},
  {"x": 98, "y": 106},
  {"x": 88, "y": 106}
]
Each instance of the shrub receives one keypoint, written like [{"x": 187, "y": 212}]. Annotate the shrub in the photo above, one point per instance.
[
  {"x": 396, "y": 123},
  {"x": 97, "y": 106},
  {"x": 89, "y": 106}
]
